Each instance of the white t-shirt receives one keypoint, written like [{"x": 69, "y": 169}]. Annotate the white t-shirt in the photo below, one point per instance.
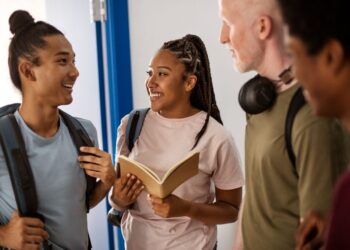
[{"x": 162, "y": 143}]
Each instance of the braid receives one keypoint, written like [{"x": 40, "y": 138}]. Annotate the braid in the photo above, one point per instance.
[{"x": 191, "y": 51}]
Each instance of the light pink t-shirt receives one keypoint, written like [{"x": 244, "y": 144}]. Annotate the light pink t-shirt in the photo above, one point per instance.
[{"x": 162, "y": 143}]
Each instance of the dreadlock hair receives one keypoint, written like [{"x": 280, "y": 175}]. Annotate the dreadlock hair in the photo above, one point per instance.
[
  {"x": 28, "y": 37},
  {"x": 191, "y": 51}
]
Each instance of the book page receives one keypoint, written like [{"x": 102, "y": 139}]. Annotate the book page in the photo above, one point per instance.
[
  {"x": 127, "y": 164},
  {"x": 179, "y": 173},
  {"x": 189, "y": 162}
]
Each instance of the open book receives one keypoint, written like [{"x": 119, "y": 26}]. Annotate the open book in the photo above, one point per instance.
[{"x": 154, "y": 185}]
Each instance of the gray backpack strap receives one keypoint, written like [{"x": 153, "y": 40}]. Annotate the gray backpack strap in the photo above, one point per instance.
[
  {"x": 134, "y": 126},
  {"x": 9, "y": 109},
  {"x": 297, "y": 102}
]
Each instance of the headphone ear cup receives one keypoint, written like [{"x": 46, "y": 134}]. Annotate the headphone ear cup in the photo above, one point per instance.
[{"x": 257, "y": 95}]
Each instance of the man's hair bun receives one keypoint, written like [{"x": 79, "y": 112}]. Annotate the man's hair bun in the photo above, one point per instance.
[{"x": 19, "y": 20}]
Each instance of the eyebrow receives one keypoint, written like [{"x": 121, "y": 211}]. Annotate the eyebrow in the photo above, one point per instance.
[
  {"x": 162, "y": 67},
  {"x": 63, "y": 53}
]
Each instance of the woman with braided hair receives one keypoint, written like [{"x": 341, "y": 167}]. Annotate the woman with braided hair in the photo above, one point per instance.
[{"x": 183, "y": 117}]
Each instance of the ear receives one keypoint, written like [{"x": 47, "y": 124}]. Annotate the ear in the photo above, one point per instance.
[
  {"x": 264, "y": 27},
  {"x": 191, "y": 82},
  {"x": 25, "y": 69},
  {"x": 333, "y": 56}
]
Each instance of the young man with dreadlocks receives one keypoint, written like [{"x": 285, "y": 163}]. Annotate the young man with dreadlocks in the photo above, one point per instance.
[{"x": 183, "y": 116}]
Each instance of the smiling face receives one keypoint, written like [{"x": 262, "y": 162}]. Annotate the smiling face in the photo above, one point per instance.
[
  {"x": 237, "y": 31},
  {"x": 168, "y": 91},
  {"x": 54, "y": 75}
]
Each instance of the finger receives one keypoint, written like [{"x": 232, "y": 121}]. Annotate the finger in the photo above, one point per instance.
[
  {"x": 31, "y": 246},
  {"x": 137, "y": 192},
  {"x": 156, "y": 200},
  {"x": 90, "y": 159},
  {"x": 95, "y": 151},
  {"x": 89, "y": 166},
  {"x": 134, "y": 187},
  {"x": 37, "y": 231},
  {"x": 122, "y": 181},
  {"x": 129, "y": 182},
  {"x": 92, "y": 173},
  {"x": 34, "y": 239},
  {"x": 33, "y": 222}
]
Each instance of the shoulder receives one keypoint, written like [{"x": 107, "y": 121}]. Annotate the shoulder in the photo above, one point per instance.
[
  {"x": 89, "y": 128},
  {"x": 87, "y": 124},
  {"x": 306, "y": 120},
  {"x": 217, "y": 129}
]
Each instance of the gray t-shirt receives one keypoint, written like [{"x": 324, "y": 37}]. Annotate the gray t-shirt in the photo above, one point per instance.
[{"x": 60, "y": 184}]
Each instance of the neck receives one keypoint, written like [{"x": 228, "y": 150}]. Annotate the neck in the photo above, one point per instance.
[
  {"x": 275, "y": 61},
  {"x": 181, "y": 112},
  {"x": 43, "y": 120}
]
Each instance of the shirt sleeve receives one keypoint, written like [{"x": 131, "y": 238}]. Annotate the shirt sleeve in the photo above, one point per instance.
[
  {"x": 121, "y": 147},
  {"x": 228, "y": 173}
]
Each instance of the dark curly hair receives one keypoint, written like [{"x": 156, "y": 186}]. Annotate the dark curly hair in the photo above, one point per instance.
[{"x": 316, "y": 22}]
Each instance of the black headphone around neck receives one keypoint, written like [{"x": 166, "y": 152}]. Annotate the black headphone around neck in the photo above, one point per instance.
[{"x": 259, "y": 93}]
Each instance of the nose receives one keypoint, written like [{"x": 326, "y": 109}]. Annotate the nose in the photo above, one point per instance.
[
  {"x": 74, "y": 72},
  {"x": 224, "y": 34},
  {"x": 151, "y": 82}
]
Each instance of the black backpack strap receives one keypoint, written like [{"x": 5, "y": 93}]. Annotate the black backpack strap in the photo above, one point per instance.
[
  {"x": 80, "y": 138},
  {"x": 18, "y": 166},
  {"x": 133, "y": 130},
  {"x": 297, "y": 102},
  {"x": 134, "y": 126}
]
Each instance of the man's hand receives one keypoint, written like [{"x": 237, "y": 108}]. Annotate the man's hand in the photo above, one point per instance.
[
  {"x": 23, "y": 233},
  {"x": 126, "y": 190},
  {"x": 98, "y": 164},
  {"x": 310, "y": 234}
]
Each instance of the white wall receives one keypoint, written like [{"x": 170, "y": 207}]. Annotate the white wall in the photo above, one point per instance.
[
  {"x": 73, "y": 19},
  {"x": 153, "y": 22}
]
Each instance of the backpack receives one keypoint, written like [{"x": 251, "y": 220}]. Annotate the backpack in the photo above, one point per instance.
[
  {"x": 20, "y": 172},
  {"x": 132, "y": 132},
  {"x": 135, "y": 122}
]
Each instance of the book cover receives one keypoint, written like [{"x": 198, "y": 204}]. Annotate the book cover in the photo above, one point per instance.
[{"x": 161, "y": 187}]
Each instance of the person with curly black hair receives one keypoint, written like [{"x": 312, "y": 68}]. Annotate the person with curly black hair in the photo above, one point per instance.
[{"x": 319, "y": 41}]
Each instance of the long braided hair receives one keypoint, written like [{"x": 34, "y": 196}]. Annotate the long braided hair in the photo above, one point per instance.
[{"x": 191, "y": 51}]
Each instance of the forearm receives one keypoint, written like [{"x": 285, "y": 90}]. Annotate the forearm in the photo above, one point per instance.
[
  {"x": 98, "y": 194},
  {"x": 2, "y": 235},
  {"x": 212, "y": 214}
]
